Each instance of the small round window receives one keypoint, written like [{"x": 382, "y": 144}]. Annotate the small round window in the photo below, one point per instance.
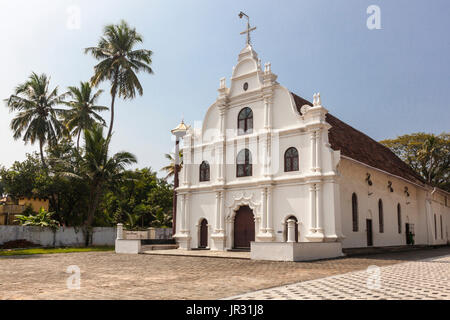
[{"x": 246, "y": 86}]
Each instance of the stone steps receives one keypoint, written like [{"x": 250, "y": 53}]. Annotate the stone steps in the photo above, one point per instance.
[{"x": 153, "y": 247}]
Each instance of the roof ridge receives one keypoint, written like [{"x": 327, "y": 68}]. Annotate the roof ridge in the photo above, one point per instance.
[{"x": 357, "y": 145}]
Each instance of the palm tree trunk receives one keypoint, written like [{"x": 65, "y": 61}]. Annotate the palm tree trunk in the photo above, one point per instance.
[
  {"x": 78, "y": 140},
  {"x": 113, "y": 100},
  {"x": 41, "y": 149},
  {"x": 94, "y": 199},
  {"x": 111, "y": 123}
]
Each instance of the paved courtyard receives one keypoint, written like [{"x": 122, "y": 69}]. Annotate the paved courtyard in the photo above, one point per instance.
[
  {"x": 106, "y": 275},
  {"x": 428, "y": 279}
]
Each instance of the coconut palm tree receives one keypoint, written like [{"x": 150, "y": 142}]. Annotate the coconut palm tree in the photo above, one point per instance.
[
  {"x": 99, "y": 170},
  {"x": 83, "y": 111},
  {"x": 37, "y": 118},
  {"x": 120, "y": 62},
  {"x": 170, "y": 168}
]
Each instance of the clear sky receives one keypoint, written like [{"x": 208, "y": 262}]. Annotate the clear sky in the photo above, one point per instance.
[{"x": 385, "y": 82}]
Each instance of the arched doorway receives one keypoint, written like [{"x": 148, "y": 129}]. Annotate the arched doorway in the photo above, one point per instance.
[
  {"x": 286, "y": 228},
  {"x": 203, "y": 234},
  {"x": 244, "y": 228}
]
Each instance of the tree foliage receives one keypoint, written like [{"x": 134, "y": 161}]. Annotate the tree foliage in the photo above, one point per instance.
[
  {"x": 120, "y": 63},
  {"x": 37, "y": 117},
  {"x": 84, "y": 111},
  {"x": 42, "y": 218},
  {"x": 427, "y": 154},
  {"x": 139, "y": 199}
]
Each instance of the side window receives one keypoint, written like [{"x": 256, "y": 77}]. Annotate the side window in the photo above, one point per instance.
[
  {"x": 291, "y": 160},
  {"x": 204, "y": 171},
  {"x": 355, "y": 212},
  {"x": 380, "y": 215},
  {"x": 245, "y": 121},
  {"x": 244, "y": 163}
]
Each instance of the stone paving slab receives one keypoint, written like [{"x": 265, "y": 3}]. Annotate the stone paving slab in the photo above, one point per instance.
[
  {"x": 202, "y": 253},
  {"x": 106, "y": 275},
  {"x": 419, "y": 280}
]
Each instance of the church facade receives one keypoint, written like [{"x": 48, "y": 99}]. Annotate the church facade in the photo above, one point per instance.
[{"x": 265, "y": 158}]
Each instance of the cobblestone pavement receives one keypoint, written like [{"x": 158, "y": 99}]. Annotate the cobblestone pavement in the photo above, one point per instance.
[
  {"x": 428, "y": 279},
  {"x": 106, "y": 275}
]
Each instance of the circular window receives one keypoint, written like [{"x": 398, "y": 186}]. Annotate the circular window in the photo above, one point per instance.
[{"x": 245, "y": 86}]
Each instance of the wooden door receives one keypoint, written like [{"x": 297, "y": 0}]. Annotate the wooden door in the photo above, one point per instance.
[
  {"x": 369, "y": 233},
  {"x": 244, "y": 228},
  {"x": 204, "y": 234}
]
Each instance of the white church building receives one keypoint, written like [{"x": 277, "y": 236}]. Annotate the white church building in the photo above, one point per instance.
[{"x": 270, "y": 171}]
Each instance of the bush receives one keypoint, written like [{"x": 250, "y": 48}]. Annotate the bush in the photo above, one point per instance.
[{"x": 42, "y": 219}]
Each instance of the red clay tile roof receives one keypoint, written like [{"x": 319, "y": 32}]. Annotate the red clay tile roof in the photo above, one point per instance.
[{"x": 358, "y": 146}]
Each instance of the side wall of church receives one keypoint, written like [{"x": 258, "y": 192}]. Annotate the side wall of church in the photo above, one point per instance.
[{"x": 413, "y": 208}]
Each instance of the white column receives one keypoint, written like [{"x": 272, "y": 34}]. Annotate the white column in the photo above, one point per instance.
[
  {"x": 264, "y": 210},
  {"x": 221, "y": 210},
  {"x": 268, "y": 157},
  {"x": 217, "y": 222},
  {"x": 291, "y": 230},
  {"x": 319, "y": 214},
  {"x": 183, "y": 214},
  {"x": 269, "y": 112},
  {"x": 318, "y": 152},
  {"x": 313, "y": 151},
  {"x": 187, "y": 214},
  {"x": 266, "y": 114},
  {"x": 222, "y": 122},
  {"x": 119, "y": 231},
  {"x": 312, "y": 200},
  {"x": 269, "y": 210}
]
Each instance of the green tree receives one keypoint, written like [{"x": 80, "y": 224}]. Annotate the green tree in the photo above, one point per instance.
[
  {"x": 83, "y": 112},
  {"x": 141, "y": 194},
  {"x": 99, "y": 170},
  {"x": 120, "y": 63},
  {"x": 427, "y": 154},
  {"x": 37, "y": 118},
  {"x": 20, "y": 179}
]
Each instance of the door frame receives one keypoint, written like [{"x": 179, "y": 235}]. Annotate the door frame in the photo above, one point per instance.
[
  {"x": 200, "y": 226},
  {"x": 233, "y": 244}
]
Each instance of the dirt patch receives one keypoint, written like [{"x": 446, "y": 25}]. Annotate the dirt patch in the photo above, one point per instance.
[{"x": 18, "y": 244}]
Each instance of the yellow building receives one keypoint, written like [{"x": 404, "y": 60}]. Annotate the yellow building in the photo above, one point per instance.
[
  {"x": 36, "y": 203},
  {"x": 10, "y": 208}
]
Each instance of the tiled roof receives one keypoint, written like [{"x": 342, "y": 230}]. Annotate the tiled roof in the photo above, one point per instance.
[{"x": 360, "y": 147}]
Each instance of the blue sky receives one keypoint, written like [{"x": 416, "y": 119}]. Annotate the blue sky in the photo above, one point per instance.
[{"x": 384, "y": 82}]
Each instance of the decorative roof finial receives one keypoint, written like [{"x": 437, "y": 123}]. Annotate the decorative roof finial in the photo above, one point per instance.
[{"x": 249, "y": 29}]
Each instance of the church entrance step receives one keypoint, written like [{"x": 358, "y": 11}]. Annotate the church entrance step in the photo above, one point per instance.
[
  {"x": 153, "y": 247},
  {"x": 239, "y": 250},
  {"x": 157, "y": 241}
]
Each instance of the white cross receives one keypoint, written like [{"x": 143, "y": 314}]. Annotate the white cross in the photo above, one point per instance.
[{"x": 249, "y": 29}]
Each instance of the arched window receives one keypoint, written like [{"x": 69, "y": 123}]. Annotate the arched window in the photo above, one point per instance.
[
  {"x": 291, "y": 160},
  {"x": 244, "y": 163},
  {"x": 435, "y": 227},
  {"x": 380, "y": 215},
  {"x": 355, "y": 212},
  {"x": 399, "y": 218},
  {"x": 245, "y": 121},
  {"x": 204, "y": 171}
]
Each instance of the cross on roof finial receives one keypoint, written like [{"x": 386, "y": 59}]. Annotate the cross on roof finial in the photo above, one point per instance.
[{"x": 249, "y": 29}]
